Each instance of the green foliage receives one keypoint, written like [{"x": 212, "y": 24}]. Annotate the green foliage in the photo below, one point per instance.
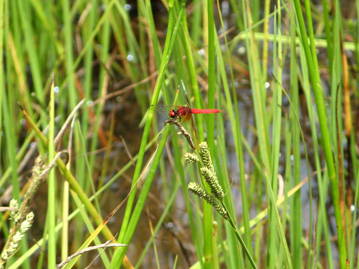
[{"x": 88, "y": 76}]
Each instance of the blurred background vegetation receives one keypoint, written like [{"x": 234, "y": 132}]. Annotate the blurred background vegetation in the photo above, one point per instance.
[{"x": 285, "y": 147}]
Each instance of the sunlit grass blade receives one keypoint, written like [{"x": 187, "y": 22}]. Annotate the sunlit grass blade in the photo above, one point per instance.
[{"x": 173, "y": 28}]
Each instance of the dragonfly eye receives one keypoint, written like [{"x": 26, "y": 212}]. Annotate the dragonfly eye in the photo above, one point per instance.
[{"x": 172, "y": 114}]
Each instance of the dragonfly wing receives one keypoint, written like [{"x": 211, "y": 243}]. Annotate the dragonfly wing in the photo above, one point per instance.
[
  {"x": 165, "y": 108},
  {"x": 186, "y": 117}
]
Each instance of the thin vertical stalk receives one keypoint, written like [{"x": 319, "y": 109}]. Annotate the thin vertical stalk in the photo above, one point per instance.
[
  {"x": 30, "y": 47},
  {"x": 72, "y": 97},
  {"x": 321, "y": 179},
  {"x": 148, "y": 126},
  {"x": 171, "y": 37},
  {"x": 296, "y": 213},
  {"x": 81, "y": 172},
  {"x": 2, "y": 27},
  {"x": 265, "y": 42},
  {"x": 237, "y": 134},
  {"x": 326, "y": 143},
  {"x": 51, "y": 210},
  {"x": 276, "y": 136},
  {"x": 328, "y": 34},
  {"x": 207, "y": 208},
  {"x": 103, "y": 87},
  {"x": 262, "y": 126},
  {"x": 120, "y": 253}
]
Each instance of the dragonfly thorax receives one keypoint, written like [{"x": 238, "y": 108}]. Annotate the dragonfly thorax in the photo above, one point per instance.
[{"x": 182, "y": 111}]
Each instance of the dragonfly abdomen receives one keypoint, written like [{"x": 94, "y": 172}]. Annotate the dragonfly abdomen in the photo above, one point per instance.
[{"x": 204, "y": 111}]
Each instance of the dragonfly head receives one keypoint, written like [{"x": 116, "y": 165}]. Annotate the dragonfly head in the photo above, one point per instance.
[{"x": 173, "y": 113}]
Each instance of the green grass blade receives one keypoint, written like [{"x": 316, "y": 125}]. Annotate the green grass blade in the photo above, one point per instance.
[
  {"x": 296, "y": 213},
  {"x": 171, "y": 37},
  {"x": 51, "y": 211},
  {"x": 326, "y": 143}
]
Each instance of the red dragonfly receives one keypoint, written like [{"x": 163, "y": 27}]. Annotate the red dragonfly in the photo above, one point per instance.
[{"x": 184, "y": 113}]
